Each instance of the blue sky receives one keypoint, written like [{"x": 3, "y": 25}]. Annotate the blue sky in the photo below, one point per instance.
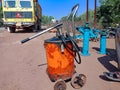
[{"x": 60, "y": 8}]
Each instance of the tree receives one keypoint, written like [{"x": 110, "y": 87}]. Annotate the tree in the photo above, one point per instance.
[
  {"x": 46, "y": 19},
  {"x": 104, "y": 15},
  {"x": 70, "y": 18},
  {"x": 81, "y": 17},
  {"x": 116, "y": 11},
  {"x": 64, "y": 18},
  {"x": 108, "y": 13},
  {"x": 91, "y": 16},
  {"x": 1, "y": 23}
]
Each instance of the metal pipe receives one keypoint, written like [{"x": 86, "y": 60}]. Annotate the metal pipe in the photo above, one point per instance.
[
  {"x": 87, "y": 10},
  {"x": 74, "y": 11},
  {"x": 103, "y": 42},
  {"x": 86, "y": 36},
  {"x": 40, "y": 33}
]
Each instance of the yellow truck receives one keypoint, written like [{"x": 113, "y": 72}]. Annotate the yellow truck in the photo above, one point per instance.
[{"x": 21, "y": 14}]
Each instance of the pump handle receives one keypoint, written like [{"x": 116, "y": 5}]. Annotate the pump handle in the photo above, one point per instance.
[
  {"x": 38, "y": 34},
  {"x": 74, "y": 10},
  {"x": 72, "y": 15}
]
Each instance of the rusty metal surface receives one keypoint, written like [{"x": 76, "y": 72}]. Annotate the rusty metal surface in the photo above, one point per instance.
[{"x": 60, "y": 63}]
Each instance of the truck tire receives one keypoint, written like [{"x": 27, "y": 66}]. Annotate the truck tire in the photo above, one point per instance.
[
  {"x": 36, "y": 28},
  {"x": 11, "y": 29}
]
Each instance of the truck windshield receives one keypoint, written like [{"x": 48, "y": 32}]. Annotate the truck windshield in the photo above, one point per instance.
[
  {"x": 9, "y": 3},
  {"x": 25, "y": 3}
]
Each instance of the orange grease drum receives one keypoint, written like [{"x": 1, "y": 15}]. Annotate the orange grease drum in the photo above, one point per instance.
[{"x": 60, "y": 60}]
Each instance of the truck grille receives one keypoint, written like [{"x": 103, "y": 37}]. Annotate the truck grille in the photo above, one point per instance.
[{"x": 18, "y": 14}]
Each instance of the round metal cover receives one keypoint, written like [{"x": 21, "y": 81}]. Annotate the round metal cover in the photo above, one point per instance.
[
  {"x": 60, "y": 85},
  {"x": 78, "y": 80}
]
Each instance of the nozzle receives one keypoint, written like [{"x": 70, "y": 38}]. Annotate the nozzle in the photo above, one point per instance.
[{"x": 25, "y": 40}]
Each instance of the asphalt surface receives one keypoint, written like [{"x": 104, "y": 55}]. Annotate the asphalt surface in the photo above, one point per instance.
[{"x": 23, "y": 66}]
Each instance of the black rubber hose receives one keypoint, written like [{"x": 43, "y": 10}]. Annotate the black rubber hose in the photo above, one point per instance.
[
  {"x": 64, "y": 42},
  {"x": 25, "y": 40},
  {"x": 75, "y": 47}
]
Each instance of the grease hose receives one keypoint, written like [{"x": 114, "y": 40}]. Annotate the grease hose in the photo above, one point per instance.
[
  {"x": 75, "y": 46},
  {"x": 64, "y": 42}
]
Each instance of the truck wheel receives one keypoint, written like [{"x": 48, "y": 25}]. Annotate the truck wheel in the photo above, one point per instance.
[
  {"x": 35, "y": 28},
  {"x": 11, "y": 29}
]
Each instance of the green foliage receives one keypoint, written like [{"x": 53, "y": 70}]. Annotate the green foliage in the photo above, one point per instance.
[
  {"x": 46, "y": 19},
  {"x": 70, "y": 18},
  {"x": 64, "y": 18},
  {"x": 1, "y": 23},
  {"x": 116, "y": 11},
  {"x": 102, "y": 1},
  {"x": 81, "y": 17},
  {"x": 91, "y": 16},
  {"x": 108, "y": 13},
  {"x": 0, "y": 12}
]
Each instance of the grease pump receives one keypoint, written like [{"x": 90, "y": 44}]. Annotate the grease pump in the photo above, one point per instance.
[{"x": 61, "y": 51}]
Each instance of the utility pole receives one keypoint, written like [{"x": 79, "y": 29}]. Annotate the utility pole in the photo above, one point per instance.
[
  {"x": 95, "y": 5},
  {"x": 87, "y": 10}
]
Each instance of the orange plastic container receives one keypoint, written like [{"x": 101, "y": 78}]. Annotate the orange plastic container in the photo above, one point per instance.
[{"x": 60, "y": 60}]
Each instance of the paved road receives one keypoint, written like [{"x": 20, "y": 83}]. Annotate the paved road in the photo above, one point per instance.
[
  {"x": 2, "y": 29},
  {"x": 23, "y": 66}
]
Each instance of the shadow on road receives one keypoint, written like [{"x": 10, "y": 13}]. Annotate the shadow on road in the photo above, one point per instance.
[
  {"x": 42, "y": 64},
  {"x": 24, "y": 31},
  {"x": 105, "y": 78},
  {"x": 28, "y": 31},
  {"x": 105, "y": 60}
]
